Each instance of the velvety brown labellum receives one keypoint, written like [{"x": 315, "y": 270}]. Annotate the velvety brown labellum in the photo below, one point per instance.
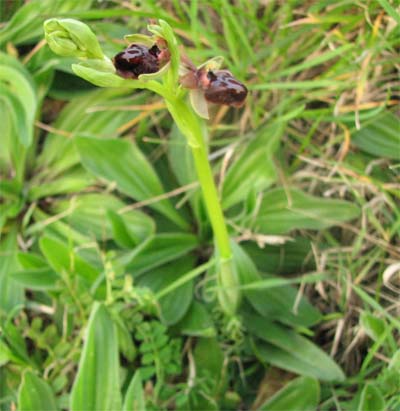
[
  {"x": 223, "y": 88},
  {"x": 137, "y": 59}
]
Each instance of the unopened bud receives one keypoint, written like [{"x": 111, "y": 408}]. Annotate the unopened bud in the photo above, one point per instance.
[{"x": 72, "y": 38}]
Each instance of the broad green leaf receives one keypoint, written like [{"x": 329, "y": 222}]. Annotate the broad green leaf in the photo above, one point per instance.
[
  {"x": 88, "y": 214},
  {"x": 19, "y": 96},
  {"x": 8, "y": 354},
  {"x": 10, "y": 210},
  {"x": 42, "y": 65},
  {"x": 121, "y": 234},
  {"x": 286, "y": 349},
  {"x": 62, "y": 258},
  {"x": 37, "y": 279},
  {"x": 12, "y": 153},
  {"x": 283, "y": 211},
  {"x": 10, "y": 189},
  {"x": 11, "y": 293},
  {"x": 31, "y": 260},
  {"x": 5, "y": 353},
  {"x": 134, "y": 397},
  {"x": 380, "y": 136},
  {"x": 276, "y": 282},
  {"x": 197, "y": 322},
  {"x": 35, "y": 394},
  {"x": 291, "y": 257},
  {"x": 301, "y": 394},
  {"x": 159, "y": 250},
  {"x": 175, "y": 304},
  {"x": 209, "y": 356},
  {"x": 97, "y": 114},
  {"x": 121, "y": 162},
  {"x": 53, "y": 227},
  {"x": 16, "y": 344},
  {"x": 274, "y": 303},
  {"x": 373, "y": 326},
  {"x": 18, "y": 116},
  {"x": 96, "y": 386},
  {"x": 21, "y": 83},
  {"x": 371, "y": 399},
  {"x": 9, "y": 143},
  {"x": 209, "y": 360},
  {"x": 125, "y": 342},
  {"x": 286, "y": 360},
  {"x": 36, "y": 273},
  {"x": 254, "y": 168},
  {"x": 130, "y": 229},
  {"x": 389, "y": 379},
  {"x": 72, "y": 181}
]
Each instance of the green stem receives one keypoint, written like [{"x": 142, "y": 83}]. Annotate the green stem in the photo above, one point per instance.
[
  {"x": 211, "y": 200},
  {"x": 191, "y": 127}
]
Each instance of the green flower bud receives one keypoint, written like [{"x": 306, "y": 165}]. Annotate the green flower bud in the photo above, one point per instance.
[{"x": 72, "y": 38}]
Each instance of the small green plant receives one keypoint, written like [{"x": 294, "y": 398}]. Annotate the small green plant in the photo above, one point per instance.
[
  {"x": 147, "y": 59},
  {"x": 157, "y": 249},
  {"x": 160, "y": 356}
]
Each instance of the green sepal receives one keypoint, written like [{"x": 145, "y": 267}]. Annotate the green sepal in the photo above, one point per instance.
[
  {"x": 98, "y": 72},
  {"x": 102, "y": 73},
  {"x": 164, "y": 31},
  {"x": 147, "y": 41},
  {"x": 199, "y": 103}
]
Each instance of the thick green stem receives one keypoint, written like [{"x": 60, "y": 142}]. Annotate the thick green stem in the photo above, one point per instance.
[
  {"x": 211, "y": 200},
  {"x": 190, "y": 125}
]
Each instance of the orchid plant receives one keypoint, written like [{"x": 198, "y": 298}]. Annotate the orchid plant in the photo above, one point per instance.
[{"x": 154, "y": 62}]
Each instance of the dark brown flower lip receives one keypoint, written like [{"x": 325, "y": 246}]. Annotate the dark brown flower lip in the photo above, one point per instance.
[
  {"x": 139, "y": 59},
  {"x": 221, "y": 87},
  {"x": 218, "y": 86}
]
